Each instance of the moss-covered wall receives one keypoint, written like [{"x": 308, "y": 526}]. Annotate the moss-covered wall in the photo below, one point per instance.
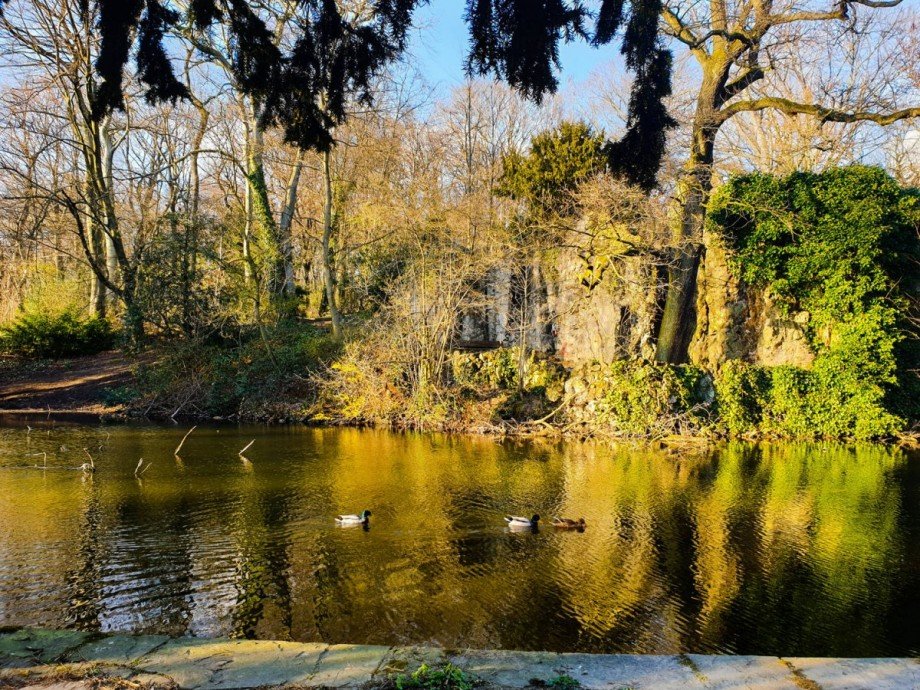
[{"x": 807, "y": 311}]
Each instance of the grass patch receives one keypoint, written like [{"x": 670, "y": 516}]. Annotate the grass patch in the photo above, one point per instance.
[{"x": 445, "y": 677}]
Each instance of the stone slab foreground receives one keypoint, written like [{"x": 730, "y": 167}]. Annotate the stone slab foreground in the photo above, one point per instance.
[{"x": 70, "y": 660}]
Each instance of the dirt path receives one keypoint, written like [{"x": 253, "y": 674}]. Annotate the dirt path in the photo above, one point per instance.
[{"x": 69, "y": 385}]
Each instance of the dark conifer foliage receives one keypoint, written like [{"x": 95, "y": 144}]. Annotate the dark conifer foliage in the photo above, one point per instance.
[
  {"x": 518, "y": 40},
  {"x": 153, "y": 64},
  {"x": 637, "y": 156},
  {"x": 304, "y": 90}
]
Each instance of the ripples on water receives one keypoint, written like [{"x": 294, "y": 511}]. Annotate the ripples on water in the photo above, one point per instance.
[{"x": 773, "y": 549}]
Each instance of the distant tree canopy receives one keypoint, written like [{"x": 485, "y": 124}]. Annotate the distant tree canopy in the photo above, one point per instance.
[
  {"x": 516, "y": 40},
  {"x": 559, "y": 160}
]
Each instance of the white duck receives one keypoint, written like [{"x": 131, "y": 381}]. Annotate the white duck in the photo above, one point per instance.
[
  {"x": 346, "y": 520},
  {"x": 518, "y": 522}
]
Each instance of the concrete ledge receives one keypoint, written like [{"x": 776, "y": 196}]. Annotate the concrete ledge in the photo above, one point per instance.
[{"x": 69, "y": 660}]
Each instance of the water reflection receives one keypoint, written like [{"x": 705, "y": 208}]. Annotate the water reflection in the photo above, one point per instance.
[{"x": 770, "y": 549}]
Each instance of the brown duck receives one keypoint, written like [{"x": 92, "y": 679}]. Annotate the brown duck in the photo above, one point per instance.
[{"x": 568, "y": 523}]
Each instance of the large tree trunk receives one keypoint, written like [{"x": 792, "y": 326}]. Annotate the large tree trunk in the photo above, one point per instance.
[
  {"x": 190, "y": 253},
  {"x": 688, "y": 216},
  {"x": 97, "y": 287}
]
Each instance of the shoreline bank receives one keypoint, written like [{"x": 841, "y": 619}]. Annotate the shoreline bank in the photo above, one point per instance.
[
  {"x": 37, "y": 658},
  {"x": 103, "y": 387}
]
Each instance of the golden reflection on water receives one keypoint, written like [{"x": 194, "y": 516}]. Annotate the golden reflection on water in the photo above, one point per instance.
[{"x": 769, "y": 549}]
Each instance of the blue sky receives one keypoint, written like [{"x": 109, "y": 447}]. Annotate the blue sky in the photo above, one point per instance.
[{"x": 440, "y": 43}]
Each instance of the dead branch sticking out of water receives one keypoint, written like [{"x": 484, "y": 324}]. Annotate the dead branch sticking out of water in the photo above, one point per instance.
[
  {"x": 88, "y": 466},
  {"x": 140, "y": 469},
  {"x": 85, "y": 467},
  {"x": 182, "y": 442},
  {"x": 248, "y": 446}
]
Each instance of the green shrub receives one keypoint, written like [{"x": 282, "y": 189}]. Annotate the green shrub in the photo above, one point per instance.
[
  {"x": 841, "y": 248},
  {"x": 446, "y": 677},
  {"x": 499, "y": 370},
  {"x": 642, "y": 396},
  {"x": 740, "y": 391},
  {"x": 795, "y": 402},
  {"x": 634, "y": 397},
  {"x": 493, "y": 369},
  {"x": 564, "y": 682},
  {"x": 43, "y": 334},
  {"x": 265, "y": 375}
]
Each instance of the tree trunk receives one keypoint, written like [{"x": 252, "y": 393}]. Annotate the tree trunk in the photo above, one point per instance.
[
  {"x": 107, "y": 154},
  {"x": 262, "y": 216},
  {"x": 190, "y": 253},
  {"x": 679, "y": 317},
  {"x": 97, "y": 288},
  {"x": 285, "y": 242},
  {"x": 688, "y": 215},
  {"x": 328, "y": 267}
]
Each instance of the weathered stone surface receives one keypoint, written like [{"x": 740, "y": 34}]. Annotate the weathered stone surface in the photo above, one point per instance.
[
  {"x": 736, "y": 321},
  {"x": 510, "y": 669},
  {"x": 596, "y": 671},
  {"x": 38, "y": 646},
  {"x": 407, "y": 659},
  {"x": 117, "y": 649},
  {"x": 345, "y": 665},
  {"x": 613, "y": 318},
  {"x": 592, "y": 671},
  {"x": 857, "y": 674},
  {"x": 748, "y": 672},
  {"x": 781, "y": 340},
  {"x": 196, "y": 664},
  {"x": 206, "y": 664},
  {"x": 153, "y": 681}
]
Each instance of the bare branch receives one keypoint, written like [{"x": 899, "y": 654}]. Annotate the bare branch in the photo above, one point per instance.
[{"x": 822, "y": 113}]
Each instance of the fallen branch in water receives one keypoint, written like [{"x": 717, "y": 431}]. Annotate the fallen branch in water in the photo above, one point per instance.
[
  {"x": 248, "y": 446},
  {"x": 182, "y": 442},
  {"x": 138, "y": 472}
]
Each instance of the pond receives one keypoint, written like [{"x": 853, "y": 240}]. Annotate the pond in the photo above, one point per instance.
[{"x": 748, "y": 549}]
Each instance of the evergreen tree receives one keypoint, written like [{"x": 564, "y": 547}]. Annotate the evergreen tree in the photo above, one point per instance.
[{"x": 559, "y": 160}]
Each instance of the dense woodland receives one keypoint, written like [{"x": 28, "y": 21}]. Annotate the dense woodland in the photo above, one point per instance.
[{"x": 496, "y": 256}]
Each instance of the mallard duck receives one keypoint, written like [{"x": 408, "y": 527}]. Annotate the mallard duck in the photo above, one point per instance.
[
  {"x": 361, "y": 519},
  {"x": 518, "y": 522},
  {"x": 568, "y": 523}
]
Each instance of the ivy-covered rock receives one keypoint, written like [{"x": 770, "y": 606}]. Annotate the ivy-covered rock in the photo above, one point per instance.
[
  {"x": 500, "y": 369},
  {"x": 842, "y": 247},
  {"x": 634, "y": 397}
]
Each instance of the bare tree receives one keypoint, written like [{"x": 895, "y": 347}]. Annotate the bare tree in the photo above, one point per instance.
[{"x": 743, "y": 49}]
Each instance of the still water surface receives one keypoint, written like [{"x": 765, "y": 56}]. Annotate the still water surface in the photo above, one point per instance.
[{"x": 771, "y": 549}]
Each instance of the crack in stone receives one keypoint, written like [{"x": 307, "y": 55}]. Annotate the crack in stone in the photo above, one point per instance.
[
  {"x": 138, "y": 659},
  {"x": 688, "y": 663},
  {"x": 319, "y": 660},
  {"x": 799, "y": 678}
]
